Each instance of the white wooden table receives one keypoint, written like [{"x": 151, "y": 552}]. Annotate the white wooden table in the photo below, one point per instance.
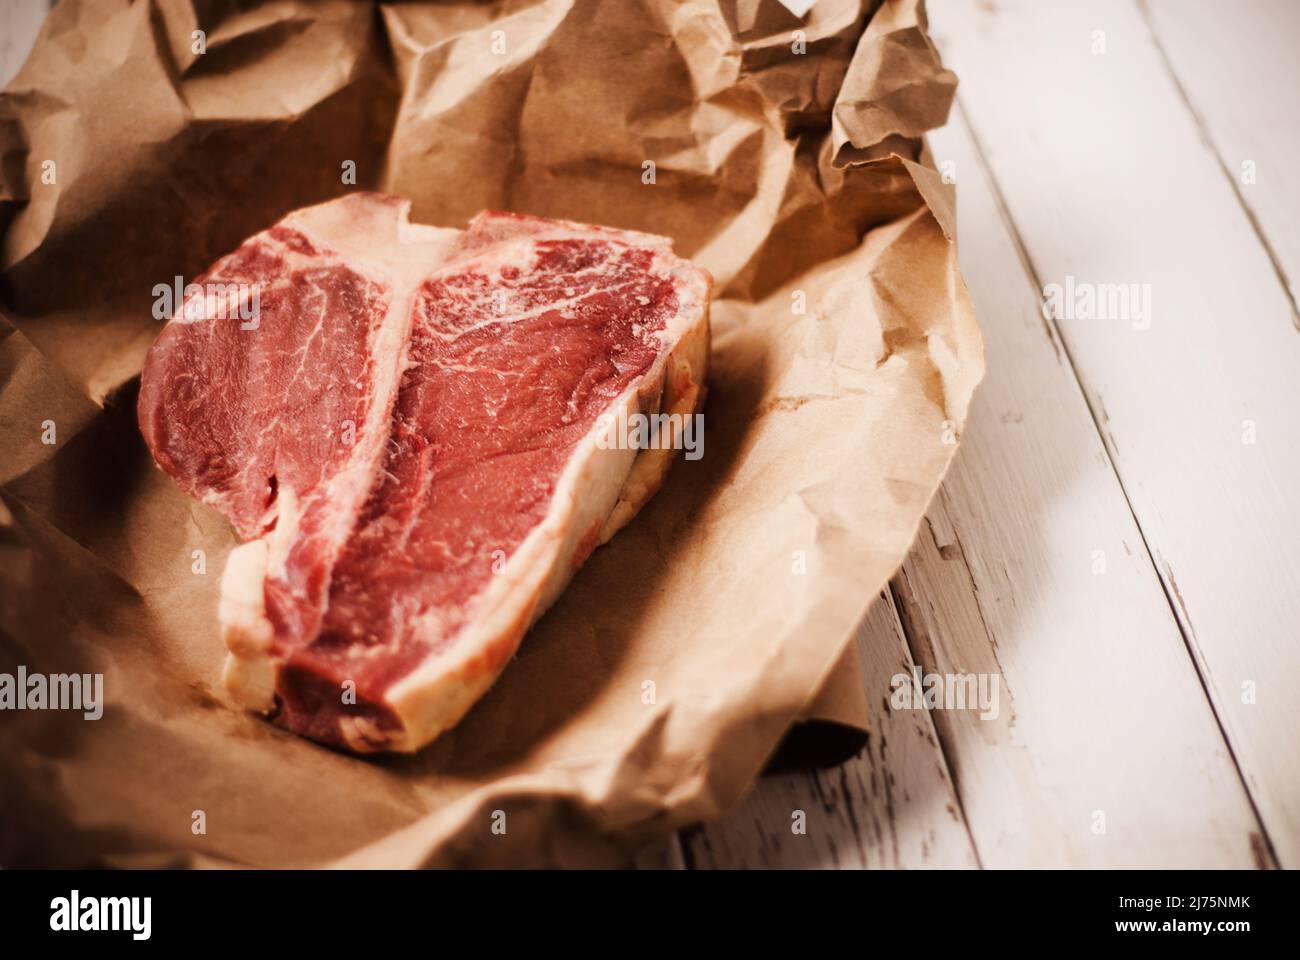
[{"x": 1119, "y": 538}]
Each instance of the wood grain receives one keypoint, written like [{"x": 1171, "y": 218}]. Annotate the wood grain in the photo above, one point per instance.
[
  {"x": 1032, "y": 567},
  {"x": 1236, "y": 66},
  {"x": 1108, "y": 179}
]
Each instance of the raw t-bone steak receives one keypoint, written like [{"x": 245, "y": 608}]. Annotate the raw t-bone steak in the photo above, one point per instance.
[{"x": 408, "y": 427}]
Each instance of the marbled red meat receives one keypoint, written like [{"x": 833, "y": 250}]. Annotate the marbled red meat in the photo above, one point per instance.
[{"x": 407, "y": 441}]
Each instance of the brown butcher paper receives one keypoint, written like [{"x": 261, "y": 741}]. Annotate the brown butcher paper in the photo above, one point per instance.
[{"x": 141, "y": 141}]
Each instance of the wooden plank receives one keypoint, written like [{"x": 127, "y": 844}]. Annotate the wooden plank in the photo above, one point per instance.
[
  {"x": 1108, "y": 181},
  {"x": 665, "y": 854},
  {"x": 1237, "y": 67},
  {"x": 20, "y": 20},
  {"x": 890, "y": 806},
  {"x": 1031, "y": 568}
]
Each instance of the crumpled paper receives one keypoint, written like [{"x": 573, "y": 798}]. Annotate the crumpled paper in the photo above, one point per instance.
[{"x": 143, "y": 140}]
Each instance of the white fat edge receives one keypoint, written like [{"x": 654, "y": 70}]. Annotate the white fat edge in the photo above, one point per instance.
[
  {"x": 362, "y": 734},
  {"x": 280, "y": 538},
  {"x": 247, "y": 634},
  {"x": 376, "y": 239},
  {"x": 575, "y": 230},
  {"x": 692, "y": 294}
]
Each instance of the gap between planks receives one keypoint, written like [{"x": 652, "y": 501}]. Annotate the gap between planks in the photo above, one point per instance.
[
  {"x": 1212, "y": 142},
  {"x": 892, "y": 805},
  {"x": 1058, "y": 341},
  {"x": 1032, "y": 789},
  {"x": 1103, "y": 162}
]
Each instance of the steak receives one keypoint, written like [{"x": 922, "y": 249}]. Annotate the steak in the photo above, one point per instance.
[{"x": 410, "y": 429}]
